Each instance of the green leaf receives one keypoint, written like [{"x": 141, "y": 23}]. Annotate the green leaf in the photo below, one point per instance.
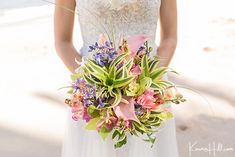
[
  {"x": 110, "y": 89},
  {"x": 166, "y": 115},
  {"x": 97, "y": 68},
  {"x": 94, "y": 73},
  {"x": 89, "y": 80},
  {"x": 119, "y": 73},
  {"x": 100, "y": 92},
  {"x": 153, "y": 65},
  {"x": 125, "y": 72},
  {"x": 121, "y": 138},
  {"x": 122, "y": 141},
  {"x": 145, "y": 65},
  {"x": 118, "y": 59},
  {"x": 144, "y": 84},
  {"x": 104, "y": 132},
  {"x": 150, "y": 139},
  {"x": 117, "y": 98},
  {"x": 112, "y": 72},
  {"x": 75, "y": 76},
  {"x": 132, "y": 91},
  {"x": 155, "y": 86},
  {"x": 139, "y": 127},
  {"x": 129, "y": 64},
  {"x": 116, "y": 133},
  {"x": 92, "y": 124},
  {"x": 163, "y": 84},
  {"x": 70, "y": 91},
  {"x": 158, "y": 73},
  {"x": 122, "y": 82},
  {"x": 93, "y": 111}
]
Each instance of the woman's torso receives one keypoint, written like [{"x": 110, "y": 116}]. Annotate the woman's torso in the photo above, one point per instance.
[{"x": 99, "y": 16}]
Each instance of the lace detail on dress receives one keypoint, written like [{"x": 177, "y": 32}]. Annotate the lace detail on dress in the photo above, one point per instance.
[{"x": 133, "y": 17}]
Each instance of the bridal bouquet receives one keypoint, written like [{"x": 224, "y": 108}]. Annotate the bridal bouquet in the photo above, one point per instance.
[{"x": 121, "y": 91}]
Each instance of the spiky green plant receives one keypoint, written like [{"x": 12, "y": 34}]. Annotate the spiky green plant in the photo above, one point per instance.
[{"x": 111, "y": 79}]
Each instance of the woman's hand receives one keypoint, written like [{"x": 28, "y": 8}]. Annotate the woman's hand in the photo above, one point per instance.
[
  {"x": 168, "y": 23},
  {"x": 63, "y": 26}
]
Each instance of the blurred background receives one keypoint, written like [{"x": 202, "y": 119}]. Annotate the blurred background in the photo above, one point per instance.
[{"x": 32, "y": 113}]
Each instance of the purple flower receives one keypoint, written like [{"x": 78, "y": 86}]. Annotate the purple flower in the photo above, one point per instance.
[
  {"x": 142, "y": 48},
  {"x": 89, "y": 93},
  {"x": 75, "y": 87},
  {"x": 79, "y": 80},
  {"x": 87, "y": 102},
  {"x": 139, "y": 110},
  {"x": 104, "y": 54},
  {"x": 101, "y": 103}
]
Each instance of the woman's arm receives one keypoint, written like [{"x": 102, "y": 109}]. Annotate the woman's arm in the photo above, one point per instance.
[
  {"x": 63, "y": 26},
  {"x": 168, "y": 23}
]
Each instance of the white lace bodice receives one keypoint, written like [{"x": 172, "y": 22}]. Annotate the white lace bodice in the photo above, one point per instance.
[{"x": 130, "y": 17}]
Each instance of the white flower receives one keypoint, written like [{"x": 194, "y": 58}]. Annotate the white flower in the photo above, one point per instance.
[{"x": 119, "y": 4}]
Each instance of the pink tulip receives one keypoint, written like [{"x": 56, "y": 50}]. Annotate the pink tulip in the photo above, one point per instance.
[{"x": 135, "y": 42}]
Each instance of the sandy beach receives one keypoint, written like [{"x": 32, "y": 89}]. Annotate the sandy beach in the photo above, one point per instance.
[{"x": 33, "y": 116}]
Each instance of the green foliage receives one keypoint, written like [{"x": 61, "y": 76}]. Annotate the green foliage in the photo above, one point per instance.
[
  {"x": 75, "y": 76},
  {"x": 151, "y": 139},
  {"x": 111, "y": 79},
  {"x": 104, "y": 132},
  {"x": 93, "y": 111},
  {"x": 92, "y": 124},
  {"x": 151, "y": 75},
  {"x": 121, "y": 138},
  {"x": 70, "y": 91},
  {"x": 117, "y": 97}
]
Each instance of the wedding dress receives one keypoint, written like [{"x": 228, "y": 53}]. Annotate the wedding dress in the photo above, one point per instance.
[{"x": 131, "y": 17}]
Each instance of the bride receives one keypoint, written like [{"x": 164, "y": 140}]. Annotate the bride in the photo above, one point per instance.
[{"x": 131, "y": 17}]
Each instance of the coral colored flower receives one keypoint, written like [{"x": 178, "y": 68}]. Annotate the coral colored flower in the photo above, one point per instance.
[
  {"x": 147, "y": 100},
  {"x": 77, "y": 107}
]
